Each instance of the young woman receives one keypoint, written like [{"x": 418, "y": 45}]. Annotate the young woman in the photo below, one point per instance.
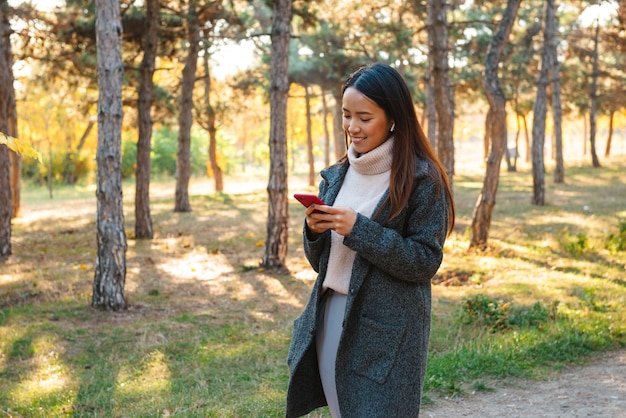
[{"x": 361, "y": 344}]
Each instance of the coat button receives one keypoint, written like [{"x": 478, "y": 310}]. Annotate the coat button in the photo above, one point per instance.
[{"x": 311, "y": 330}]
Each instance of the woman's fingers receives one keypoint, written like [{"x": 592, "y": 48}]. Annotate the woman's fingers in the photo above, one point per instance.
[{"x": 322, "y": 218}]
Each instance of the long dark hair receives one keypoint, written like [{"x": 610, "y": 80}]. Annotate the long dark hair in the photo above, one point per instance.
[{"x": 385, "y": 86}]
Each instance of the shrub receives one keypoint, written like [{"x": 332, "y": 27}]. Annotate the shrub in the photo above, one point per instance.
[
  {"x": 533, "y": 316},
  {"x": 129, "y": 158},
  {"x": 66, "y": 168},
  {"x": 616, "y": 243},
  {"x": 163, "y": 153},
  {"x": 499, "y": 315},
  {"x": 487, "y": 311},
  {"x": 577, "y": 245}
]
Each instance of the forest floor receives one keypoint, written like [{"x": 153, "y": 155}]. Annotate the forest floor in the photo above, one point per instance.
[
  {"x": 207, "y": 331},
  {"x": 597, "y": 389}
]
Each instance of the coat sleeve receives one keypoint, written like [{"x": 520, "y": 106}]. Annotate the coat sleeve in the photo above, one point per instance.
[
  {"x": 314, "y": 247},
  {"x": 413, "y": 251}
]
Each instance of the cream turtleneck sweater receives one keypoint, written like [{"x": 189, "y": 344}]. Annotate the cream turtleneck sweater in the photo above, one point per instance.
[{"x": 365, "y": 182}]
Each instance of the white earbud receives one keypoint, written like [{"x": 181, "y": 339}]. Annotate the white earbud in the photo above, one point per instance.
[{"x": 393, "y": 127}]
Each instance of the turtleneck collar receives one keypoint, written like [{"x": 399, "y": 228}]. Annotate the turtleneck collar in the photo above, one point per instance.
[{"x": 376, "y": 161}]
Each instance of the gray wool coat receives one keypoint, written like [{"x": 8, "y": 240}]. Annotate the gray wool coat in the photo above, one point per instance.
[{"x": 381, "y": 360}]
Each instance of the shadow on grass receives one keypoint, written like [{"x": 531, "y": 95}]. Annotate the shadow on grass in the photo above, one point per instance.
[{"x": 207, "y": 330}]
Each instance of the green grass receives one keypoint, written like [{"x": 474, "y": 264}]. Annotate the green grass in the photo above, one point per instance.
[{"x": 207, "y": 331}]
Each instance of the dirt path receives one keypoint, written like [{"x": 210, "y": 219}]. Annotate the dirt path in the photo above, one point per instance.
[{"x": 595, "y": 390}]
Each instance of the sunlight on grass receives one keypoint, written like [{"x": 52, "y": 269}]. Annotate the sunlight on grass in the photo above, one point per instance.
[
  {"x": 197, "y": 265},
  {"x": 150, "y": 379},
  {"x": 46, "y": 375},
  {"x": 207, "y": 330}
]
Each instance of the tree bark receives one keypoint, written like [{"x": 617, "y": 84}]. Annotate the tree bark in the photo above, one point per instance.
[
  {"x": 110, "y": 274},
  {"x": 5, "y": 198},
  {"x": 309, "y": 137},
  {"x": 431, "y": 111},
  {"x": 526, "y": 137},
  {"x": 585, "y": 134},
  {"x": 511, "y": 158},
  {"x": 143, "y": 218},
  {"x": 609, "y": 139},
  {"x": 540, "y": 110},
  {"x": 338, "y": 133},
  {"x": 16, "y": 181},
  {"x": 487, "y": 133},
  {"x": 326, "y": 132},
  {"x": 594, "y": 98},
  {"x": 16, "y": 159},
  {"x": 442, "y": 90},
  {"x": 555, "y": 83},
  {"x": 185, "y": 118},
  {"x": 7, "y": 95},
  {"x": 210, "y": 124},
  {"x": 278, "y": 208},
  {"x": 481, "y": 220}
]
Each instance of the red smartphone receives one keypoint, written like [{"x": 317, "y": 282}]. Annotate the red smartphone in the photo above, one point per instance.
[{"x": 308, "y": 199}]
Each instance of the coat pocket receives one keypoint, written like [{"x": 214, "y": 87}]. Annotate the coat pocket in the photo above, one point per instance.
[{"x": 376, "y": 349}]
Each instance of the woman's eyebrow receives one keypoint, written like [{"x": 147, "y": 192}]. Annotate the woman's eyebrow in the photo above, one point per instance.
[{"x": 362, "y": 112}]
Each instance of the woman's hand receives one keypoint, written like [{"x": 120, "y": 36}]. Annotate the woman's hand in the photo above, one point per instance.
[{"x": 321, "y": 218}]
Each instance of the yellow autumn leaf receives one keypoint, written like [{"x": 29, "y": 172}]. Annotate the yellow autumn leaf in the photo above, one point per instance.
[{"x": 19, "y": 146}]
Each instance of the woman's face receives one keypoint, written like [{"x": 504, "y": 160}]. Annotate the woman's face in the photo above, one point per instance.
[{"x": 364, "y": 120}]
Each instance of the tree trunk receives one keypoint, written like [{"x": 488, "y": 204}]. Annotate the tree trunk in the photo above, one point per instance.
[
  {"x": 511, "y": 155},
  {"x": 185, "y": 118},
  {"x": 110, "y": 274},
  {"x": 309, "y": 137},
  {"x": 210, "y": 124},
  {"x": 594, "y": 98},
  {"x": 555, "y": 83},
  {"x": 16, "y": 159},
  {"x": 16, "y": 182},
  {"x": 50, "y": 160},
  {"x": 5, "y": 195},
  {"x": 442, "y": 90},
  {"x": 6, "y": 95},
  {"x": 481, "y": 220},
  {"x": 278, "y": 208},
  {"x": 585, "y": 131},
  {"x": 487, "y": 133},
  {"x": 326, "y": 132},
  {"x": 143, "y": 219},
  {"x": 11, "y": 115},
  {"x": 338, "y": 133},
  {"x": 540, "y": 110},
  {"x": 508, "y": 157},
  {"x": 431, "y": 112},
  {"x": 527, "y": 137},
  {"x": 609, "y": 139}
]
